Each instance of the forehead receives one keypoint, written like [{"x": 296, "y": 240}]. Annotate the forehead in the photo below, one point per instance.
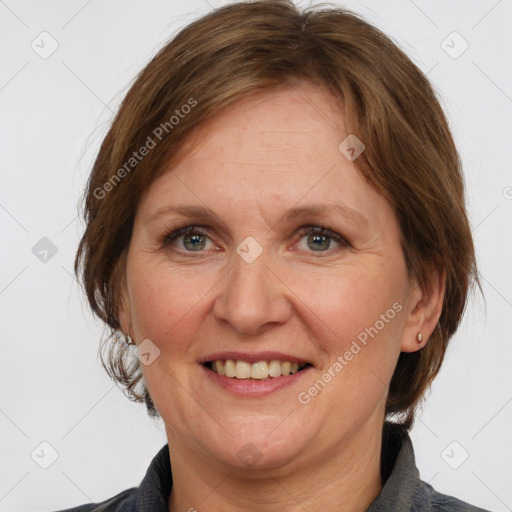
[
  {"x": 276, "y": 128},
  {"x": 268, "y": 152}
]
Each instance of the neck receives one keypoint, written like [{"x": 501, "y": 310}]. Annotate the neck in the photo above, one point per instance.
[{"x": 346, "y": 477}]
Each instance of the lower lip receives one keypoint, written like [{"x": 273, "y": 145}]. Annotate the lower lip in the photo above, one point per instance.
[{"x": 254, "y": 387}]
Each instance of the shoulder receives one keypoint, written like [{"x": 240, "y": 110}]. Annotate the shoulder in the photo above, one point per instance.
[
  {"x": 122, "y": 502},
  {"x": 152, "y": 493},
  {"x": 438, "y": 502},
  {"x": 403, "y": 490}
]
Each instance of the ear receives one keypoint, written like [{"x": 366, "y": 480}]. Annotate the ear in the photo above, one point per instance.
[{"x": 424, "y": 308}]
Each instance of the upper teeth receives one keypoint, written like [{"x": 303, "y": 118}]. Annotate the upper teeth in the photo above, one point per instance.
[{"x": 258, "y": 370}]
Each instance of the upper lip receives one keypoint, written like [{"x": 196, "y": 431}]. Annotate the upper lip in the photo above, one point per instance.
[{"x": 253, "y": 357}]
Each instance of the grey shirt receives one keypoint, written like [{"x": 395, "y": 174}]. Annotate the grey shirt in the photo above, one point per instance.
[{"x": 403, "y": 491}]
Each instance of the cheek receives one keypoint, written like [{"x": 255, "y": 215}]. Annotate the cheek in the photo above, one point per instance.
[
  {"x": 337, "y": 305},
  {"x": 167, "y": 302},
  {"x": 357, "y": 326},
  {"x": 158, "y": 302},
  {"x": 356, "y": 320},
  {"x": 353, "y": 300}
]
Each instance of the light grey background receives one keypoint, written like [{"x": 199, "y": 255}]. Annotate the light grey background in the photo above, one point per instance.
[{"x": 54, "y": 113}]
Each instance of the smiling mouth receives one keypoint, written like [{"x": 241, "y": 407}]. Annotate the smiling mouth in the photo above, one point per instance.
[{"x": 259, "y": 370}]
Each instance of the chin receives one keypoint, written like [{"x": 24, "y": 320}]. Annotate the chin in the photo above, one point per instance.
[{"x": 269, "y": 444}]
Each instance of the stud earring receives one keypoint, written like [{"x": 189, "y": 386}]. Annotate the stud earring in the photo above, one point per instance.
[
  {"x": 128, "y": 340},
  {"x": 419, "y": 338}
]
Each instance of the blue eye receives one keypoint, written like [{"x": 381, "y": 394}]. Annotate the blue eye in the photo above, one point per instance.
[
  {"x": 194, "y": 238},
  {"x": 320, "y": 238}
]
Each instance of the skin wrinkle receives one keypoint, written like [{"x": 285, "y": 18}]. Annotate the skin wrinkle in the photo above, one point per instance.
[
  {"x": 253, "y": 139},
  {"x": 291, "y": 301}
]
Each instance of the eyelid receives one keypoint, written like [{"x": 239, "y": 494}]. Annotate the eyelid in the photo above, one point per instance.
[
  {"x": 317, "y": 229},
  {"x": 320, "y": 229},
  {"x": 172, "y": 234}
]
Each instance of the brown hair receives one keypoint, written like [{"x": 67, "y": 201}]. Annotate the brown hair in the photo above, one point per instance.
[{"x": 251, "y": 48}]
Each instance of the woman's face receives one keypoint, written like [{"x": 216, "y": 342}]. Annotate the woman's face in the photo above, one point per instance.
[{"x": 257, "y": 287}]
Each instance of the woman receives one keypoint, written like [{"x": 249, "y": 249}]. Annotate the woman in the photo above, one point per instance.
[{"x": 277, "y": 238}]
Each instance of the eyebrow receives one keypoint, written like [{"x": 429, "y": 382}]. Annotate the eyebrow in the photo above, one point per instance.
[
  {"x": 317, "y": 210},
  {"x": 204, "y": 213}
]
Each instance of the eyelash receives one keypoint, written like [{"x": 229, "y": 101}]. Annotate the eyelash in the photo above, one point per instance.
[{"x": 304, "y": 231}]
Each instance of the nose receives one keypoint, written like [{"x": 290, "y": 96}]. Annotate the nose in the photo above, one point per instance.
[{"x": 254, "y": 297}]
